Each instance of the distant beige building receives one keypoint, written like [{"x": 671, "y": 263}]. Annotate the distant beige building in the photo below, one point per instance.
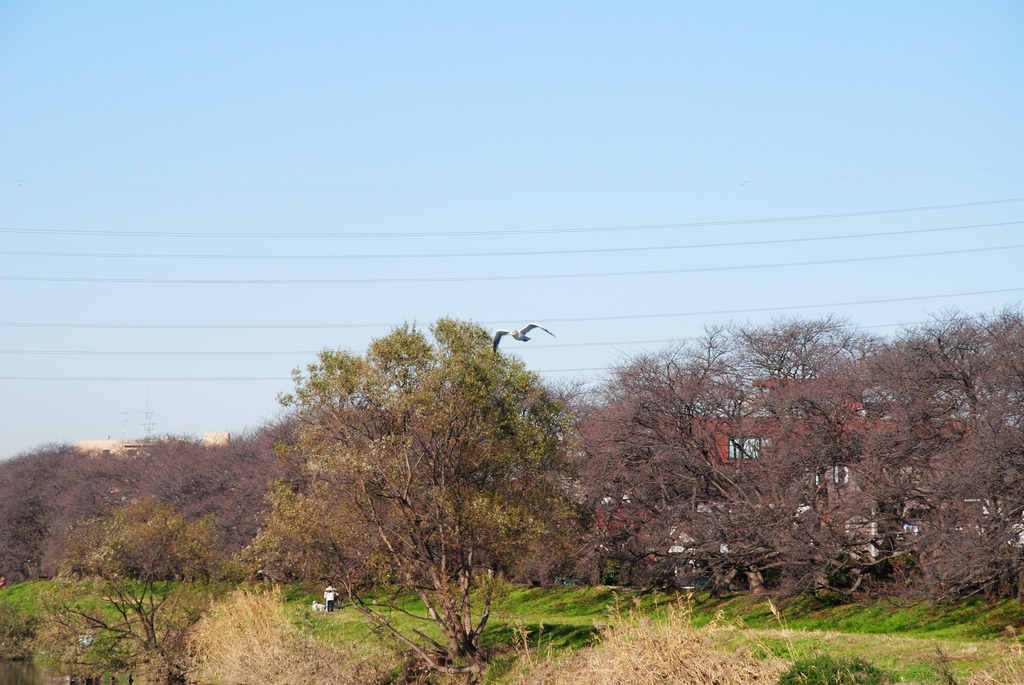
[
  {"x": 216, "y": 439},
  {"x": 110, "y": 448},
  {"x": 130, "y": 448}
]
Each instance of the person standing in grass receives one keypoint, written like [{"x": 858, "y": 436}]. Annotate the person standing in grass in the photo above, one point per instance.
[{"x": 330, "y": 594}]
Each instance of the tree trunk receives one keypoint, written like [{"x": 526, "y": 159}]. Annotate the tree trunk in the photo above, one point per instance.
[
  {"x": 755, "y": 580},
  {"x": 721, "y": 580}
]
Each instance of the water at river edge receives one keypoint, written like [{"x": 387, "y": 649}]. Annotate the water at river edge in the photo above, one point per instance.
[{"x": 26, "y": 673}]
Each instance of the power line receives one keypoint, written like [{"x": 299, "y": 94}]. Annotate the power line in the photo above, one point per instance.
[
  {"x": 276, "y": 353},
  {"x": 522, "y": 253},
  {"x": 489, "y": 322},
  {"x": 504, "y": 277},
  {"x": 288, "y": 378},
  {"x": 435, "y": 234},
  {"x": 592, "y": 343}
]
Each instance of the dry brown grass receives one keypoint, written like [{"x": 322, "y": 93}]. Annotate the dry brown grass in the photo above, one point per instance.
[
  {"x": 951, "y": 662},
  {"x": 1008, "y": 671},
  {"x": 642, "y": 652},
  {"x": 249, "y": 638}
]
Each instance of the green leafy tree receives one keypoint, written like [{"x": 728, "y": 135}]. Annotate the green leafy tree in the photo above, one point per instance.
[
  {"x": 132, "y": 582},
  {"x": 443, "y": 462}
]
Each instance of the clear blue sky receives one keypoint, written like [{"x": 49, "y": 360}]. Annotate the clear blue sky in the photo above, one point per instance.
[{"x": 195, "y": 197}]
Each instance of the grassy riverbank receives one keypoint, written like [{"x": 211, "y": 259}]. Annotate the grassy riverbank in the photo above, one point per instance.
[
  {"x": 581, "y": 634},
  {"x": 534, "y": 629}
]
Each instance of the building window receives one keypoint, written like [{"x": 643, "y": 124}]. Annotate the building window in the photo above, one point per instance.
[
  {"x": 744, "y": 448},
  {"x": 840, "y": 475}
]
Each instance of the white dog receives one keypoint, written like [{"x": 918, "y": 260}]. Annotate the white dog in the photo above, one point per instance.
[{"x": 317, "y": 606}]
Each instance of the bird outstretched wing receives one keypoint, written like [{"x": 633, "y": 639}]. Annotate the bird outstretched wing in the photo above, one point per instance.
[
  {"x": 497, "y": 338},
  {"x": 530, "y": 326}
]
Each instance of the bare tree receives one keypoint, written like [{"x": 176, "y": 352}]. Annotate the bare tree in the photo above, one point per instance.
[
  {"x": 948, "y": 470},
  {"x": 732, "y": 456},
  {"x": 654, "y": 443}
]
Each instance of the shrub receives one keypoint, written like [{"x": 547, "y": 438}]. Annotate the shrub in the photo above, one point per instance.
[
  {"x": 638, "y": 652},
  {"x": 17, "y": 628},
  {"x": 133, "y": 581},
  {"x": 250, "y": 638},
  {"x": 827, "y": 670}
]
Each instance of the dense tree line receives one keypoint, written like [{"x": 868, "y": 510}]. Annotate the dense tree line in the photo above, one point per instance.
[
  {"x": 809, "y": 455},
  {"x": 46, "y": 491},
  {"x": 796, "y": 456}
]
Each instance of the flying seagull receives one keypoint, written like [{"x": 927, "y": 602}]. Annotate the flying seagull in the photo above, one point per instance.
[{"x": 519, "y": 335}]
